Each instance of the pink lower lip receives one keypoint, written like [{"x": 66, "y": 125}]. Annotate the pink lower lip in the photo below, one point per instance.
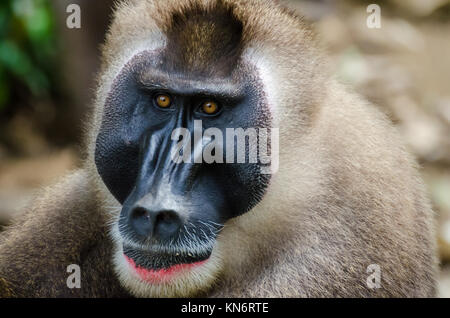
[{"x": 161, "y": 275}]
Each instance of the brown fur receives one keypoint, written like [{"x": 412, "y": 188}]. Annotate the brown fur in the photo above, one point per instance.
[
  {"x": 203, "y": 41},
  {"x": 347, "y": 193},
  {"x": 62, "y": 227}
]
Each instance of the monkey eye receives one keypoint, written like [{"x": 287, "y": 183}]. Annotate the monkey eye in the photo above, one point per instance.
[
  {"x": 163, "y": 100},
  {"x": 209, "y": 107}
]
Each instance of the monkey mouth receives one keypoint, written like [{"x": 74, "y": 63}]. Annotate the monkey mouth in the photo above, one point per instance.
[{"x": 157, "y": 267}]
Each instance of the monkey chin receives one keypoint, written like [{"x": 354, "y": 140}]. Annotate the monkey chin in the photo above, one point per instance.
[{"x": 184, "y": 280}]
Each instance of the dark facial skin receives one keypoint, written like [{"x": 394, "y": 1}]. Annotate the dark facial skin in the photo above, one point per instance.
[{"x": 133, "y": 156}]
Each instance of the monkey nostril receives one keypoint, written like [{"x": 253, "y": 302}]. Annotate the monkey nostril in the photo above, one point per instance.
[
  {"x": 140, "y": 219},
  {"x": 164, "y": 224},
  {"x": 167, "y": 216},
  {"x": 140, "y": 213},
  {"x": 167, "y": 224}
]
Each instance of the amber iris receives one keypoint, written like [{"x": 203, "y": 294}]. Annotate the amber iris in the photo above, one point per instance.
[
  {"x": 163, "y": 101},
  {"x": 210, "y": 107}
]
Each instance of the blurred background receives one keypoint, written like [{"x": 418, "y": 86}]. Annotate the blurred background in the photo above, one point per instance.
[{"x": 47, "y": 80}]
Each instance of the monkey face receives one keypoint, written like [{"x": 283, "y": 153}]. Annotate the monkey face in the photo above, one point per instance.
[{"x": 174, "y": 208}]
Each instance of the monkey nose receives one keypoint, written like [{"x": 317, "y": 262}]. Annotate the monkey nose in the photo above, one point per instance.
[{"x": 161, "y": 224}]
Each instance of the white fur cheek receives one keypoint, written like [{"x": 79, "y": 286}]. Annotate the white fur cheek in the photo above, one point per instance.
[
  {"x": 266, "y": 74},
  {"x": 191, "y": 283}
]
